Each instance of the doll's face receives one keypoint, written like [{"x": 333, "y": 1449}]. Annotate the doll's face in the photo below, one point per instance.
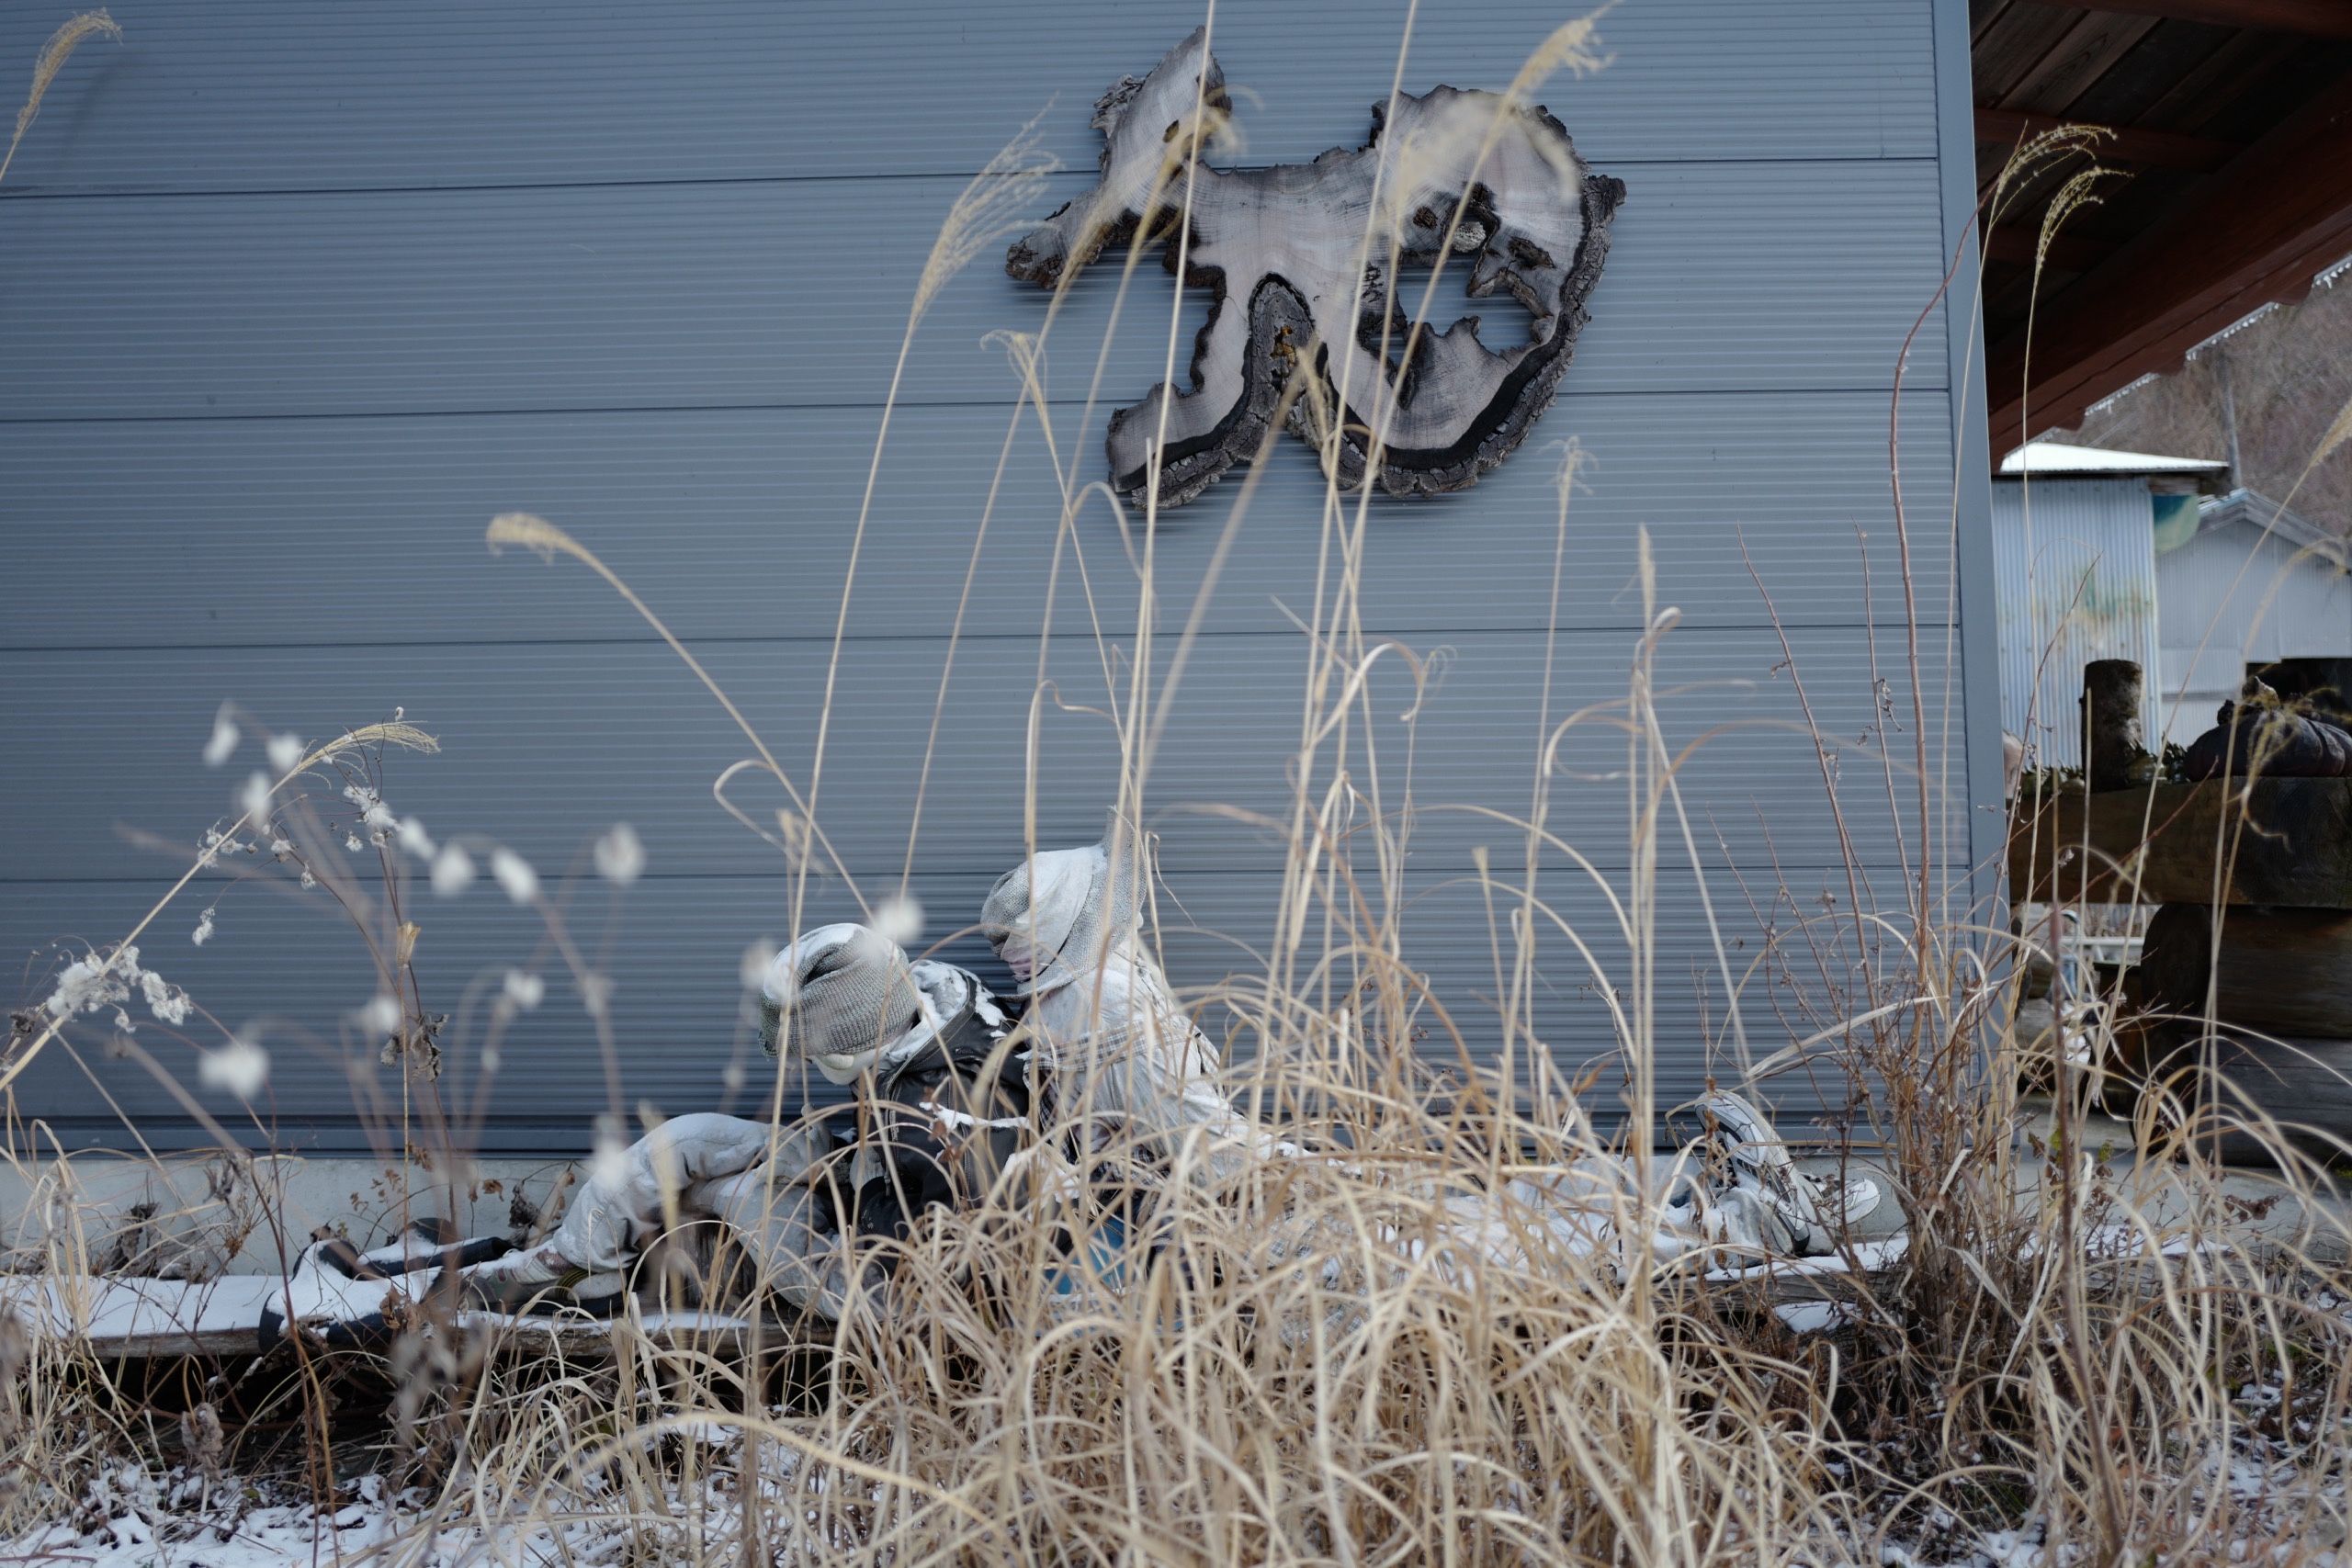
[{"x": 1019, "y": 955}]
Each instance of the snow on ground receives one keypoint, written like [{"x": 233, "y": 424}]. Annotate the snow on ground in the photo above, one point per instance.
[
  {"x": 398, "y": 1531},
  {"x": 129, "y": 1518},
  {"x": 132, "y": 1518},
  {"x": 2277, "y": 1497}
]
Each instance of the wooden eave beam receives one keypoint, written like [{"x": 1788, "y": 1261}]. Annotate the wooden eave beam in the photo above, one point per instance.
[
  {"x": 2118, "y": 144},
  {"x": 2304, "y": 19},
  {"x": 2013, "y": 243},
  {"x": 2254, "y": 230}
]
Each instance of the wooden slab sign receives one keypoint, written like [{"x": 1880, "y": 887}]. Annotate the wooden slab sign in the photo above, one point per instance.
[
  {"x": 2285, "y": 842},
  {"x": 1316, "y": 272}
]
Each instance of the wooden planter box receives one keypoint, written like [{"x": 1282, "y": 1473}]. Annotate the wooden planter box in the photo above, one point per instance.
[{"x": 2282, "y": 842}]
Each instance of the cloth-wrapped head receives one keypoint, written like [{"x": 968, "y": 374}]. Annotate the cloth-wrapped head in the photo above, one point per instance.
[
  {"x": 840, "y": 995},
  {"x": 1053, "y": 916}
]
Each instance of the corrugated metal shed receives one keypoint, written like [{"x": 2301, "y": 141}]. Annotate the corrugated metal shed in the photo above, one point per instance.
[
  {"x": 297, "y": 298},
  {"x": 2076, "y": 560},
  {"x": 2253, "y": 583}
]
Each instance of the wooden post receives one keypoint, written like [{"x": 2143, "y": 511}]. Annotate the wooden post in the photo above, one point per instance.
[{"x": 2115, "y": 736}]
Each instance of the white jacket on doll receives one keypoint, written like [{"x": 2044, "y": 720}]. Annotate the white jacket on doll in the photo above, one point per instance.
[
  {"x": 1119, "y": 1052},
  {"x": 1116, "y": 1050}
]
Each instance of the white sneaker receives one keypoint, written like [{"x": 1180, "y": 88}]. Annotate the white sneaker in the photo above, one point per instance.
[
  {"x": 1754, "y": 1158},
  {"x": 1745, "y": 1222},
  {"x": 1813, "y": 1210},
  {"x": 1842, "y": 1202}
]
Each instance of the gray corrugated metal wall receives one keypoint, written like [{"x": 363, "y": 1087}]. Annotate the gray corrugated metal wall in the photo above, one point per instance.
[
  {"x": 294, "y": 298},
  {"x": 2077, "y": 567}
]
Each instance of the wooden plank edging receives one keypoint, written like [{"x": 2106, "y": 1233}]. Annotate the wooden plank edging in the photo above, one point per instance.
[{"x": 2283, "y": 842}]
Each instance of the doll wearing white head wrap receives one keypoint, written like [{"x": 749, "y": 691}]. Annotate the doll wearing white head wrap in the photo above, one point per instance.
[
  {"x": 1121, "y": 1051},
  {"x": 1118, "y": 1051}
]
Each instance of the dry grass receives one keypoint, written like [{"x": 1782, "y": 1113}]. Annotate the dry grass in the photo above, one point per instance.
[
  {"x": 1315, "y": 1366},
  {"x": 71, "y": 36}
]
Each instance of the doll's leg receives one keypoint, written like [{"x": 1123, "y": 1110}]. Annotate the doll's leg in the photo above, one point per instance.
[
  {"x": 792, "y": 1230},
  {"x": 623, "y": 1199}
]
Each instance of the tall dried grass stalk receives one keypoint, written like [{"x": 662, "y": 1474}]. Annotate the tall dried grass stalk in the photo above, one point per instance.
[{"x": 53, "y": 56}]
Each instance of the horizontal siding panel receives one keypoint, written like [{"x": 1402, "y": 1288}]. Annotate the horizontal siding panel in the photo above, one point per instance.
[
  {"x": 676, "y": 946},
  {"x": 297, "y": 297},
  {"x": 547, "y": 744},
  {"x": 1723, "y": 277},
  {"x": 210, "y": 96},
  {"x": 735, "y": 524}
]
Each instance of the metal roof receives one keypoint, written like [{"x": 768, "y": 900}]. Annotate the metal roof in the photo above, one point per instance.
[
  {"x": 2259, "y": 511},
  {"x": 2046, "y": 459}
]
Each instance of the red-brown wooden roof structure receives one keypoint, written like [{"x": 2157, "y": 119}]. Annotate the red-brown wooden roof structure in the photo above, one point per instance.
[{"x": 2233, "y": 147}]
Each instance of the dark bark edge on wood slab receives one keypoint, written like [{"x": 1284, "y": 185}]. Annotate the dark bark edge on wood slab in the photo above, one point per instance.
[{"x": 1500, "y": 188}]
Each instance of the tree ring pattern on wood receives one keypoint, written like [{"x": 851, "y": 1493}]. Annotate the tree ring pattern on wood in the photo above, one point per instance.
[{"x": 1301, "y": 260}]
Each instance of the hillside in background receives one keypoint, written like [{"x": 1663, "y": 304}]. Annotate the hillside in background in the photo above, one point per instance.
[{"x": 2290, "y": 371}]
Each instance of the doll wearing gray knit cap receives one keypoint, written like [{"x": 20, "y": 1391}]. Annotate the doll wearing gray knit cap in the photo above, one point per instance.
[{"x": 918, "y": 1039}]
